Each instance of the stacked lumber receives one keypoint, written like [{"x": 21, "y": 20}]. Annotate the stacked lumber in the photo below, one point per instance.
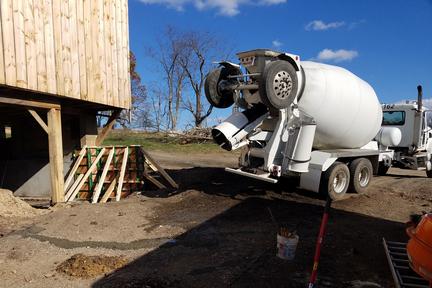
[{"x": 111, "y": 173}]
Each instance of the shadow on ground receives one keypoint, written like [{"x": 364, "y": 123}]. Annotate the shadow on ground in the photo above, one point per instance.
[
  {"x": 237, "y": 247},
  {"x": 216, "y": 181}
]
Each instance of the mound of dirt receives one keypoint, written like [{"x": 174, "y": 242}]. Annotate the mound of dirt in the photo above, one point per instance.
[
  {"x": 82, "y": 266},
  {"x": 11, "y": 206}
]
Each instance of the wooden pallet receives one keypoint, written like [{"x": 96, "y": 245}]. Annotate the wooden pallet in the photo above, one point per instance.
[{"x": 103, "y": 173}]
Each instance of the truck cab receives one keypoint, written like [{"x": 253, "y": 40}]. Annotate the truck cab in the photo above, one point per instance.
[{"x": 415, "y": 123}]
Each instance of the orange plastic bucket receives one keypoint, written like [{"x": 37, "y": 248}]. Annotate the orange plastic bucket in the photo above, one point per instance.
[{"x": 419, "y": 247}]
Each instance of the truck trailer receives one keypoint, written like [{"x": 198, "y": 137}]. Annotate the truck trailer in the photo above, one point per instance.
[{"x": 300, "y": 119}]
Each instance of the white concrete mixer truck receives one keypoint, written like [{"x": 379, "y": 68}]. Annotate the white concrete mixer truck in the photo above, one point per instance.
[{"x": 300, "y": 119}]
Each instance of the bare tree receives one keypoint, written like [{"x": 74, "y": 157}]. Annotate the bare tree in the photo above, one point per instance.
[
  {"x": 167, "y": 54},
  {"x": 199, "y": 48}
]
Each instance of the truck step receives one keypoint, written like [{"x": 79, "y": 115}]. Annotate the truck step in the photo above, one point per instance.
[{"x": 263, "y": 176}]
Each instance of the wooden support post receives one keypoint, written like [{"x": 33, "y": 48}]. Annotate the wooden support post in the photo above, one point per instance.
[
  {"x": 56, "y": 155},
  {"x": 107, "y": 128}
]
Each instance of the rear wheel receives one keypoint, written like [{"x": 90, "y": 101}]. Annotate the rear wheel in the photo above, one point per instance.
[
  {"x": 335, "y": 181},
  {"x": 215, "y": 94},
  {"x": 361, "y": 173},
  {"x": 279, "y": 84}
]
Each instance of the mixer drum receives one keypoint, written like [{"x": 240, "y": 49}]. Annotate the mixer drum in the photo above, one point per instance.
[{"x": 345, "y": 108}]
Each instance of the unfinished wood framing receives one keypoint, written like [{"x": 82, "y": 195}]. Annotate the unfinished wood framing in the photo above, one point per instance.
[
  {"x": 77, "y": 49},
  {"x": 71, "y": 194},
  {"x": 55, "y": 155},
  {"x": 75, "y": 167},
  {"x": 101, "y": 182},
  {"x": 126, "y": 167},
  {"x": 122, "y": 173}
]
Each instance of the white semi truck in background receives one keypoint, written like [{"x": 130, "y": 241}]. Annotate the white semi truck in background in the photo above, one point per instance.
[
  {"x": 301, "y": 119},
  {"x": 414, "y": 121}
]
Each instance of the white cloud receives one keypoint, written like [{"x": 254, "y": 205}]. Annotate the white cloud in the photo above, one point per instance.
[
  {"x": 277, "y": 43},
  {"x": 318, "y": 25},
  {"x": 337, "y": 55},
  {"x": 224, "y": 7}
]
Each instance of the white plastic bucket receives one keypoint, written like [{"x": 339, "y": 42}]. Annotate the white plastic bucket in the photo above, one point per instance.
[{"x": 287, "y": 247}]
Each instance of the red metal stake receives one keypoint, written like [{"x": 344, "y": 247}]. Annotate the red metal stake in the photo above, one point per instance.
[{"x": 319, "y": 243}]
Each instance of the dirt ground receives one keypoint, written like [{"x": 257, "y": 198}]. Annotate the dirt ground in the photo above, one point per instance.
[{"x": 215, "y": 231}]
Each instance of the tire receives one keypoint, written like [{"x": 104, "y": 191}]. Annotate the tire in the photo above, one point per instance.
[
  {"x": 335, "y": 181},
  {"x": 382, "y": 169},
  {"x": 278, "y": 85},
  {"x": 361, "y": 173},
  {"x": 215, "y": 96}
]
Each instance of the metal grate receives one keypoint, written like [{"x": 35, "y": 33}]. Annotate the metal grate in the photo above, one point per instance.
[{"x": 403, "y": 275}]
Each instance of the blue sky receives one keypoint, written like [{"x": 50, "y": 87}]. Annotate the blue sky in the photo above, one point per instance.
[{"x": 388, "y": 43}]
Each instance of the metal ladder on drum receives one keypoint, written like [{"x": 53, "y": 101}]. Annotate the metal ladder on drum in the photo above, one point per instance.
[{"x": 403, "y": 275}]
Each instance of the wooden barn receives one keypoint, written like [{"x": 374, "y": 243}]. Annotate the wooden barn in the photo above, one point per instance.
[{"x": 62, "y": 62}]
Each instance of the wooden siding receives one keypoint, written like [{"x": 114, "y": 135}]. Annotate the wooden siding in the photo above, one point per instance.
[{"x": 71, "y": 48}]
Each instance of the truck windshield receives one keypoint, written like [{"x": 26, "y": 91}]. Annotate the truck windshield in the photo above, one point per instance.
[{"x": 393, "y": 118}]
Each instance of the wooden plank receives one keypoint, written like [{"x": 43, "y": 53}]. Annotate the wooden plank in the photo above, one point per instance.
[
  {"x": 122, "y": 173},
  {"x": 108, "y": 192},
  {"x": 29, "y": 103},
  {"x": 154, "y": 181},
  {"x": 58, "y": 45},
  {"x": 98, "y": 51},
  {"x": 73, "y": 25},
  {"x": 39, "y": 120},
  {"x": 81, "y": 50},
  {"x": 100, "y": 184},
  {"x": 49, "y": 45},
  {"x": 30, "y": 44},
  {"x": 88, "y": 49},
  {"x": 75, "y": 167},
  {"x": 108, "y": 127},
  {"x": 120, "y": 60},
  {"x": 160, "y": 169},
  {"x": 92, "y": 167},
  {"x": 108, "y": 53},
  {"x": 56, "y": 155},
  {"x": 113, "y": 42},
  {"x": 73, "y": 187},
  {"x": 66, "y": 48},
  {"x": 127, "y": 93},
  {"x": 20, "y": 52},
  {"x": 8, "y": 42},
  {"x": 2, "y": 66},
  {"x": 41, "y": 75}
]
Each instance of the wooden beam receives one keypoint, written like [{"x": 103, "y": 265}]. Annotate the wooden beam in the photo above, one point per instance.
[
  {"x": 56, "y": 155},
  {"x": 159, "y": 169},
  {"x": 74, "y": 185},
  {"x": 75, "y": 167},
  {"x": 72, "y": 193},
  {"x": 29, "y": 103},
  {"x": 39, "y": 120},
  {"x": 122, "y": 173},
  {"x": 100, "y": 184},
  {"x": 108, "y": 127},
  {"x": 154, "y": 181},
  {"x": 108, "y": 191}
]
